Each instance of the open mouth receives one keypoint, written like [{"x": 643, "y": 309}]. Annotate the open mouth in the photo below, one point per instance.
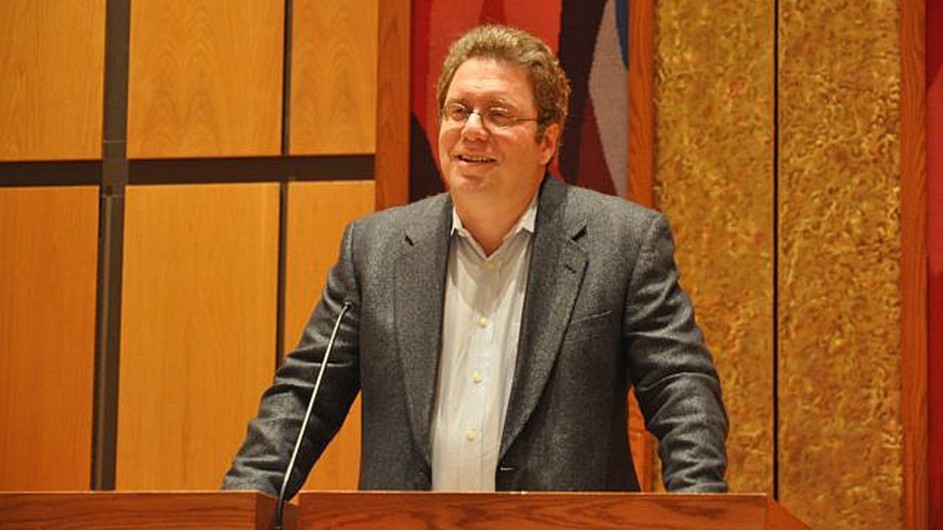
[{"x": 475, "y": 159}]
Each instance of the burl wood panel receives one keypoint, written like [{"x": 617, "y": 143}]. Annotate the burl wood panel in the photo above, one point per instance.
[
  {"x": 714, "y": 181},
  {"x": 317, "y": 214},
  {"x": 48, "y": 259},
  {"x": 541, "y": 511},
  {"x": 205, "y": 78},
  {"x": 51, "y": 79},
  {"x": 839, "y": 263},
  {"x": 197, "y": 331},
  {"x": 193, "y": 510},
  {"x": 334, "y": 77}
]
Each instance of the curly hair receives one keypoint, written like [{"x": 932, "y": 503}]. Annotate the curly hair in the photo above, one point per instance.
[{"x": 518, "y": 48}]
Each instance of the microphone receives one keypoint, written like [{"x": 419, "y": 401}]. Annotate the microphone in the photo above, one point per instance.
[{"x": 280, "y": 503}]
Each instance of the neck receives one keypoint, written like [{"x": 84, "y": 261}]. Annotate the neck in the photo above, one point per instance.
[{"x": 489, "y": 223}]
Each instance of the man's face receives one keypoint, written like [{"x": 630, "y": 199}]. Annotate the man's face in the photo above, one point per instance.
[{"x": 481, "y": 161}]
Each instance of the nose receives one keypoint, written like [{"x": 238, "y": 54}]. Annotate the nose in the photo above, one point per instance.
[{"x": 474, "y": 126}]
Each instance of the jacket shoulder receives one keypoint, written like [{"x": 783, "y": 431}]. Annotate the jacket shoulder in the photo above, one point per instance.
[
  {"x": 608, "y": 210},
  {"x": 400, "y": 217}
]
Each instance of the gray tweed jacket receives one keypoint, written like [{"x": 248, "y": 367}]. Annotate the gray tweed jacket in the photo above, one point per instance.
[{"x": 603, "y": 310}]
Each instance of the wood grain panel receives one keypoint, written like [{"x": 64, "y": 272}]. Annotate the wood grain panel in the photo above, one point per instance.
[
  {"x": 714, "y": 170},
  {"x": 840, "y": 453},
  {"x": 392, "y": 159},
  {"x": 641, "y": 188},
  {"x": 48, "y": 260},
  {"x": 198, "y": 329},
  {"x": 933, "y": 61},
  {"x": 914, "y": 264},
  {"x": 541, "y": 511},
  {"x": 192, "y": 510},
  {"x": 334, "y": 77},
  {"x": 642, "y": 102},
  {"x": 51, "y": 78},
  {"x": 317, "y": 214},
  {"x": 205, "y": 78}
]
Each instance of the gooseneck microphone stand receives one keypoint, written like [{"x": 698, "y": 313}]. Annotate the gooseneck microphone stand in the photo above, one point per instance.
[{"x": 280, "y": 503}]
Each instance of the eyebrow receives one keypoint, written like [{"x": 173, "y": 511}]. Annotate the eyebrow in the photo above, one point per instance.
[{"x": 489, "y": 102}]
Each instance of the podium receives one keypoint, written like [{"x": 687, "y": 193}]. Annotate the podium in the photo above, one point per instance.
[
  {"x": 540, "y": 511},
  {"x": 392, "y": 510},
  {"x": 190, "y": 510}
]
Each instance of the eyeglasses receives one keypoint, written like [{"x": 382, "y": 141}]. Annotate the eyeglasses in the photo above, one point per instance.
[{"x": 492, "y": 117}]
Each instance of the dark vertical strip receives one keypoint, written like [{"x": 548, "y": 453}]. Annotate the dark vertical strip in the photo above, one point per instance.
[
  {"x": 286, "y": 79},
  {"x": 111, "y": 244},
  {"x": 776, "y": 124},
  {"x": 579, "y": 29},
  {"x": 283, "y": 188}
]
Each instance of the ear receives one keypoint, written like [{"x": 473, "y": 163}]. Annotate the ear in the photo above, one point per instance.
[{"x": 548, "y": 143}]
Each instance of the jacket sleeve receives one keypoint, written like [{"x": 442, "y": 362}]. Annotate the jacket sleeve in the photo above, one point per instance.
[
  {"x": 261, "y": 461},
  {"x": 673, "y": 373}
]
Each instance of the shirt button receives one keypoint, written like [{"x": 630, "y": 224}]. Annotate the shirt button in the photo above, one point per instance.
[
  {"x": 490, "y": 265},
  {"x": 471, "y": 435},
  {"x": 482, "y": 322},
  {"x": 477, "y": 377}
]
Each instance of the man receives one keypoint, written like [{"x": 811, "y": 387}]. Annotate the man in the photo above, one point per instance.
[{"x": 495, "y": 329}]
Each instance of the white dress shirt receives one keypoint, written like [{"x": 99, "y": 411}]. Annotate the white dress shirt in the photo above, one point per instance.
[{"x": 484, "y": 301}]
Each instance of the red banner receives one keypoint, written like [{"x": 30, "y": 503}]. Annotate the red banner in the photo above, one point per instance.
[{"x": 590, "y": 39}]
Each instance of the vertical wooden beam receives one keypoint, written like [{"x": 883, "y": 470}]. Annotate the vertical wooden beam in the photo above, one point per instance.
[
  {"x": 913, "y": 281},
  {"x": 392, "y": 158},
  {"x": 642, "y": 102},
  {"x": 641, "y": 185}
]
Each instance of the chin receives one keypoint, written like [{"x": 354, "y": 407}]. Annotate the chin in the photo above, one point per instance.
[{"x": 466, "y": 182}]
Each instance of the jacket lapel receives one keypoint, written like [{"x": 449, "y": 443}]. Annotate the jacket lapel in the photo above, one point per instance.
[
  {"x": 419, "y": 295},
  {"x": 556, "y": 272}
]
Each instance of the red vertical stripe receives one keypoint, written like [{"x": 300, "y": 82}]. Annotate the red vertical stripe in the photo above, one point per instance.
[{"x": 934, "y": 32}]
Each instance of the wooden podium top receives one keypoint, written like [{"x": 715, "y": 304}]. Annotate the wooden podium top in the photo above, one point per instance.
[
  {"x": 541, "y": 511},
  {"x": 393, "y": 511},
  {"x": 223, "y": 510}
]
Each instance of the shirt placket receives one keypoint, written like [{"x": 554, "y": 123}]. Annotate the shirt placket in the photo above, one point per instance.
[{"x": 480, "y": 379}]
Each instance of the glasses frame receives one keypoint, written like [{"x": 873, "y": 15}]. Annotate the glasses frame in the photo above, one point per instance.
[{"x": 486, "y": 116}]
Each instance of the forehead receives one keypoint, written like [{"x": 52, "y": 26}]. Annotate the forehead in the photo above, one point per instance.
[{"x": 491, "y": 80}]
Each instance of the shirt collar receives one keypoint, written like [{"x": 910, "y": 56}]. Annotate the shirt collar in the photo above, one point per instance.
[{"x": 527, "y": 221}]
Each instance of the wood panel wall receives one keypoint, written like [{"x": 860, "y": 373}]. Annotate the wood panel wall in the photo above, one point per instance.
[
  {"x": 52, "y": 56},
  {"x": 839, "y": 259},
  {"x": 47, "y": 336},
  {"x": 714, "y": 180},
  {"x": 317, "y": 214},
  {"x": 200, "y": 282},
  {"x": 205, "y": 78},
  {"x": 794, "y": 266},
  {"x": 198, "y": 329},
  {"x": 334, "y": 77},
  {"x": 802, "y": 207}
]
